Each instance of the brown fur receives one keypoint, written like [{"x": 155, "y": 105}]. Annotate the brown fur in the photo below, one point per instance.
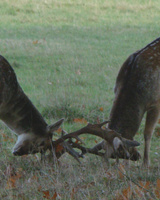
[{"x": 137, "y": 91}]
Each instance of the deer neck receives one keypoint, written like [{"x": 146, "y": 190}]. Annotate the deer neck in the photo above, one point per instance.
[
  {"x": 21, "y": 116},
  {"x": 126, "y": 115}
]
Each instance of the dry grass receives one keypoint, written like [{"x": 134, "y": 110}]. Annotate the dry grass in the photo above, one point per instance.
[{"x": 27, "y": 177}]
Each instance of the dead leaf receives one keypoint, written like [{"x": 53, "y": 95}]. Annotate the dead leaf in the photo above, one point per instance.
[
  {"x": 157, "y": 193},
  {"x": 73, "y": 193},
  {"x": 127, "y": 193},
  {"x": 82, "y": 121},
  {"x": 157, "y": 132},
  {"x": 59, "y": 148},
  {"x": 6, "y": 138},
  {"x": 39, "y": 188},
  {"x": 59, "y": 130},
  {"x": 110, "y": 175},
  {"x": 140, "y": 192},
  {"x": 11, "y": 182},
  {"x": 144, "y": 185},
  {"x": 46, "y": 194},
  {"x": 101, "y": 109},
  {"x": 78, "y": 72},
  {"x": 121, "y": 171},
  {"x": 55, "y": 195},
  {"x": 157, "y": 190},
  {"x": 158, "y": 184},
  {"x": 35, "y": 42}
]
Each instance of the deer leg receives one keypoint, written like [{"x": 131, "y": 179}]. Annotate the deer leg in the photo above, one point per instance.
[{"x": 151, "y": 120}]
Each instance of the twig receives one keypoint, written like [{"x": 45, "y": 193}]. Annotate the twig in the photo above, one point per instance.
[{"x": 151, "y": 193}]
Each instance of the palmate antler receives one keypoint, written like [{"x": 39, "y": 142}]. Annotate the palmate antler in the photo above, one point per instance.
[{"x": 115, "y": 141}]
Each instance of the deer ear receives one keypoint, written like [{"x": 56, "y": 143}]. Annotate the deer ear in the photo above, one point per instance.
[
  {"x": 117, "y": 143},
  {"x": 55, "y": 126}
]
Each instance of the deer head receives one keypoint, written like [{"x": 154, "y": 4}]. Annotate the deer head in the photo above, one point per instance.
[{"x": 30, "y": 143}]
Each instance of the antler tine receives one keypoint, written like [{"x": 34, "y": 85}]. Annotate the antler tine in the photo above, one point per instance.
[
  {"x": 103, "y": 123},
  {"x": 71, "y": 151},
  {"x": 94, "y": 150},
  {"x": 76, "y": 137},
  {"x": 93, "y": 129},
  {"x": 63, "y": 133}
]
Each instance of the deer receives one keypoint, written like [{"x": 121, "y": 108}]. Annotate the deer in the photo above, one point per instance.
[
  {"x": 137, "y": 91},
  {"x": 34, "y": 135}
]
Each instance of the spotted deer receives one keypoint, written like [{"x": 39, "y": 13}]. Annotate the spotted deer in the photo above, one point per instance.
[
  {"x": 34, "y": 134},
  {"x": 137, "y": 91}
]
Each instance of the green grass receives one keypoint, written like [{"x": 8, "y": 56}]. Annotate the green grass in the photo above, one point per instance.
[{"x": 66, "y": 55}]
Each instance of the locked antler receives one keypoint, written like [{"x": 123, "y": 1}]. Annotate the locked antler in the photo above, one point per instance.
[{"x": 94, "y": 129}]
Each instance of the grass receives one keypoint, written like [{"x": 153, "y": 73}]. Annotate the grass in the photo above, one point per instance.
[{"x": 66, "y": 55}]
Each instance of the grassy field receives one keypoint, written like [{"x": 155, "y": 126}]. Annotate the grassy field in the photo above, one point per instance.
[{"x": 66, "y": 55}]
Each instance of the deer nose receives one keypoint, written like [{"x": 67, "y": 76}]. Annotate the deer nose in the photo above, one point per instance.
[{"x": 15, "y": 153}]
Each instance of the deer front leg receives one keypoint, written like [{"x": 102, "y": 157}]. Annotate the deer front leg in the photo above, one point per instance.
[{"x": 151, "y": 120}]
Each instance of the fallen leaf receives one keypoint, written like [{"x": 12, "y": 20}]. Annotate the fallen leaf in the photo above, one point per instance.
[
  {"x": 78, "y": 72},
  {"x": 144, "y": 185},
  {"x": 140, "y": 192},
  {"x": 157, "y": 190},
  {"x": 157, "y": 132},
  {"x": 158, "y": 184},
  {"x": 35, "y": 42},
  {"x": 59, "y": 148},
  {"x": 46, "y": 194},
  {"x": 39, "y": 188},
  {"x": 157, "y": 193},
  {"x": 101, "y": 109},
  {"x": 82, "y": 121},
  {"x": 127, "y": 193},
  {"x": 6, "y": 138},
  {"x": 73, "y": 193},
  {"x": 11, "y": 182},
  {"x": 59, "y": 130},
  {"x": 110, "y": 175},
  {"x": 121, "y": 171},
  {"x": 55, "y": 195}
]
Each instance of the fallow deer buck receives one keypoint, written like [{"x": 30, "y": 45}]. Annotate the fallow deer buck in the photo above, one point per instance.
[
  {"x": 137, "y": 91},
  {"x": 34, "y": 134}
]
